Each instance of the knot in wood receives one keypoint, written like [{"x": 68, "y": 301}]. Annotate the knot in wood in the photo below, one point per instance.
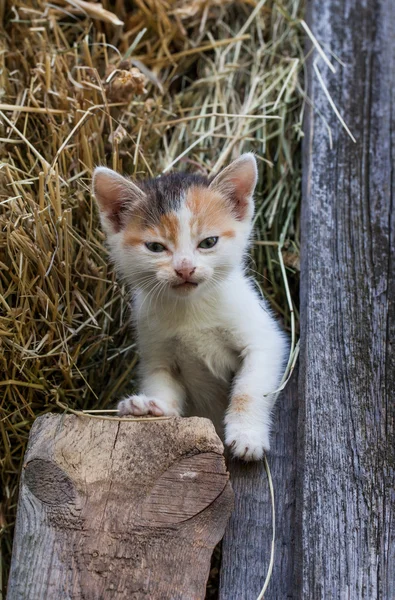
[{"x": 48, "y": 482}]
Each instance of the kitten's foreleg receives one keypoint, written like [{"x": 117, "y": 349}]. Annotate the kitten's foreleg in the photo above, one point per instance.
[
  {"x": 161, "y": 395},
  {"x": 248, "y": 418}
]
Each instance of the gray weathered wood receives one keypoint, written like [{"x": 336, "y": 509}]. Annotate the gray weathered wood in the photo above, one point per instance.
[
  {"x": 247, "y": 541},
  {"x": 346, "y": 512},
  {"x": 119, "y": 509}
]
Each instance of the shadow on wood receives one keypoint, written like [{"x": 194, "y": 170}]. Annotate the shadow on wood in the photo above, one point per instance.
[{"x": 119, "y": 509}]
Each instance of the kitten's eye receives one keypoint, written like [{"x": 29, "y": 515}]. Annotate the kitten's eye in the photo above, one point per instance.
[
  {"x": 208, "y": 243},
  {"x": 155, "y": 246}
]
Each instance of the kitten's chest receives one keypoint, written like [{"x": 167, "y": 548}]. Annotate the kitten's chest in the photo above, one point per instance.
[{"x": 209, "y": 348}]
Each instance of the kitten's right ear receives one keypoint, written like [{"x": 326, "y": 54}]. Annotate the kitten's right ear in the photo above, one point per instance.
[
  {"x": 237, "y": 183},
  {"x": 115, "y": 196}
]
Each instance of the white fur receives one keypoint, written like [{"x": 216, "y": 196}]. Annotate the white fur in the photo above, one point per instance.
[{"x": 203, "y": 348}]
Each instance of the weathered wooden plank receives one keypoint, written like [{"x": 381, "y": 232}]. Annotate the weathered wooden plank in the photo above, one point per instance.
[
  {"x": 246, "y": 545},
  {"x": 119, "y": 509},
  {"x": 347, "y": 376}
]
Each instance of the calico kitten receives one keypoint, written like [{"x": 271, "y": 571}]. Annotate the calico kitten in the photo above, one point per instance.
[{"x": 207, "y": 341}]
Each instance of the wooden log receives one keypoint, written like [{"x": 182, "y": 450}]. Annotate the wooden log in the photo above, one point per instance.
[
  {"x": 247, "y": 542},
  {"x": 119, "y": 509},
  {"x": 346, "y": 506}
]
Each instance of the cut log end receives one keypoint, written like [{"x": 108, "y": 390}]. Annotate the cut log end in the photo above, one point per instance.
[{"x": 119, "y": 509}]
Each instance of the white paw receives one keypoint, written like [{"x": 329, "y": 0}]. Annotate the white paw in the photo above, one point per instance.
[
  {"x": 246, "y": 442},
  {"x": 140, "y": 405}
]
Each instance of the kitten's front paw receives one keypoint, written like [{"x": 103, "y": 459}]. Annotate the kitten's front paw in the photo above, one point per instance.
[
  {"x": 140, "y": 405},
  {"x": 245, "y": 442}
]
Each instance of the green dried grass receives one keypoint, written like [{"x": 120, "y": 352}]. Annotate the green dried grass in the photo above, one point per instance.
[{"x": 222, "y": 78}]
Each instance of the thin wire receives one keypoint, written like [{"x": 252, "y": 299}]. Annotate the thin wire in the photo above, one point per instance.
[
  {"x": 293, "y": 355},
  {"x": 271, "y": 563},
  {"x": 80, "y": 413}
]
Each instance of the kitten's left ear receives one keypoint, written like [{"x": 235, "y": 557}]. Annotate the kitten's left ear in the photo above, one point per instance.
[
  {"x": 237, "y": 182},
  {"x": 116, "y": 197}
]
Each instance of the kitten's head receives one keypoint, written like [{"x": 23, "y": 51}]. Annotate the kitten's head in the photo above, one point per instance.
[{"x": 178, "y": 233}]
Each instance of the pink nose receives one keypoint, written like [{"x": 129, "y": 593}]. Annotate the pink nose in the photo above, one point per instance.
[{"x": 185, "y": 272}]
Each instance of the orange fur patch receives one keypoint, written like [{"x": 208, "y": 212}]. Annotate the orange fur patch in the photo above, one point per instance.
[
  {"x": 131, "y": 240},
  {"x": 133, "y": 234},
  {"x": 167, "y": 229},
  {"x": 240, "y": 403},
  {"x": 210, "y": 211}
]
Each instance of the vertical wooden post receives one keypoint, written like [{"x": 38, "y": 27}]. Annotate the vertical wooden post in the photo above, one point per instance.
[
  {"x": 247, "y": 542},
  {"x": 346, "y": 457},
  {"x": 119, "y": 509}
]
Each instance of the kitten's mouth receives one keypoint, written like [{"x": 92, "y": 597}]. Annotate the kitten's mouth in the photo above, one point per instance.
[{"x": 185, "y": 285}]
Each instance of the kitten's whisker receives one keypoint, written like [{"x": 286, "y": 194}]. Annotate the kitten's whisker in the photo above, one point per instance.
[
  {"x": 154, "y": 294},
  {"x": 145, "y": 286},
  {"x": 149, "y": 295}
]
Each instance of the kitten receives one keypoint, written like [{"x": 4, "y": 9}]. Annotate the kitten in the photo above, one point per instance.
[{"x": 207, "y": 341}]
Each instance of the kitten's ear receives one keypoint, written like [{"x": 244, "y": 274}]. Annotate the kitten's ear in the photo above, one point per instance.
[
  {"x": 237, "y": 182},
  {"x": 115, "y": 196}
]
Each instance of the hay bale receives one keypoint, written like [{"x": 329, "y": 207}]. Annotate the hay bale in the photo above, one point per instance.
[{"x": 182, "y": 84}]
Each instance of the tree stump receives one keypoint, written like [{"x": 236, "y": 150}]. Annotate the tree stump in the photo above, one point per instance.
[{"x": 119, "y": 509}]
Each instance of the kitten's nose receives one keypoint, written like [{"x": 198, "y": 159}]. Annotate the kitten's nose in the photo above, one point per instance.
[{"x": 185, "y": 272}]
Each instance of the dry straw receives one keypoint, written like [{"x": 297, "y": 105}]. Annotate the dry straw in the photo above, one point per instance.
[{"x": 188, "y": 84}]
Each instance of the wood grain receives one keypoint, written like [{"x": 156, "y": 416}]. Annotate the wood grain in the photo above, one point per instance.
[
  {"x": 346, "y": 511},
  {"x": 246, "y": 545},
  {"x": 118, "y": 509}
]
